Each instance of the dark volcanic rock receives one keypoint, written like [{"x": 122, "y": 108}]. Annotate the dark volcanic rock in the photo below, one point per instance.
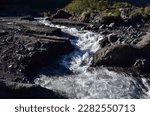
[
  {"x": 13, "y": 90},
  {"x": 26, "y": 46},
  {"x": 115, "y": 55}
]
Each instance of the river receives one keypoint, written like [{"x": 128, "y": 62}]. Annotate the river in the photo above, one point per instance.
[{"x": 91, "y": 84}]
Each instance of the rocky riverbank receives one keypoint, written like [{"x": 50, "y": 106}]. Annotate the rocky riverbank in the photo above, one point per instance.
[
  {"x": 124, "y": 45},
  {"x": 26, "y": 47}
]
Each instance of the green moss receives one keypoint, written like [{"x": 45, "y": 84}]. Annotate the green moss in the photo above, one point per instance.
[
  {"x": 105, "y": 8},
  {"x": 75, "y": 6},
  {"x": 78, "y": 6},
  {"x": 147, "y": 10},
  {"x": 86, "y": 13},
  {"x": 121, "y": 5},
  {"x": 137, "y": 11},
  {"x": 113, "y": 13}
]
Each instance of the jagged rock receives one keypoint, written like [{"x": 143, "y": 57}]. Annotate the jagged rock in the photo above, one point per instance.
[
  {"x": 104, "y": 42},
  {"x": 124, "y": 13},
  {"x": 108, "y": 40},
  {"x": 61, "y": 14},
  {"x": 13, "y": 90},
  {"x": 111, "y": 25},
  {"x": 103, "y": 26},
  {"x": 142, "y": 65},
  {"x": 112, "y": 38},
  {"x": 115, "y": 55}
]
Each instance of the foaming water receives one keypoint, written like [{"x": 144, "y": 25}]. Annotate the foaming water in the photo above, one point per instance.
[
  {"x": 85, "y": 43},
  {"x": 96, "y": 83}
]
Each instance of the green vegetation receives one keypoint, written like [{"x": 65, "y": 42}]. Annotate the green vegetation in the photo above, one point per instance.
[
  {"x": 86, "y": 13},
  {"x": 113, "y": 13},
  {"x": 147, "y": 10},
  {"x": 79, "y": 6},
  {"x": 121, "y": 5},
  {"x": 75, "y": 6},
  {"x": 137, "y": 11},
  {"x": 84, "y": 7},
  {"x": 107, "y": 9},
  {"x": 141, "y": 11}
]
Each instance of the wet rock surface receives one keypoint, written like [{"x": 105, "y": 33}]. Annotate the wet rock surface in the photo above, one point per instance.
[
  {"x": 116, "y": 55},
  {"x": 125, "y": 55}
]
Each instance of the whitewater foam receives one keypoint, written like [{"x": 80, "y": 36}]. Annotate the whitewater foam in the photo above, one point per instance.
[{"x": 98, "y": 83}]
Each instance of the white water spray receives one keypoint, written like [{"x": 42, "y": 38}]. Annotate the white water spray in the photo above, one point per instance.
[{"x": 98, "y": 83}]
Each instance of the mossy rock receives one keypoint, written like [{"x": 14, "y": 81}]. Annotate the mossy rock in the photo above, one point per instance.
[
  {"x": 147, "y": 13},
  {"x": 113, "y": 13},
  {"x": 85, "y": 15},
  {"x": 111, "y": 16},
  {"x": 79, "y": 6}
]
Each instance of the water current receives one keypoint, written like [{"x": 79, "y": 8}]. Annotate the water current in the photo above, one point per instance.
[{"x": 91, "y": 84}]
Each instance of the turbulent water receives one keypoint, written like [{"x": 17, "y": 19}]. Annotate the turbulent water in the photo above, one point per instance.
[{"x": 96, "y": 83}]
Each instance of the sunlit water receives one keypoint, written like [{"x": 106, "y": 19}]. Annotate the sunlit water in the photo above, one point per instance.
[{"x": 98, "y": 83}]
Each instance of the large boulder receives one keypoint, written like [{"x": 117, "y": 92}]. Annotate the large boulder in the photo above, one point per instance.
[
  {"x": 13, "y": 90},
  {"x": 115, "y": 55},
  {"x": 144, "y": 45},
  {"x": 143, "y": 63},
  {"x": 108, "y": 40},
  {"x": 111, "y": 19},
  {"x": 61, "y": 14},
  {"x": 125, "y": 55},
  {"x": 136, "y": 17}
]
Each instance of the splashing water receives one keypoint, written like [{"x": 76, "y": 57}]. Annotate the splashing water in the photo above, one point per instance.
[{"x": 98, "y": 83}]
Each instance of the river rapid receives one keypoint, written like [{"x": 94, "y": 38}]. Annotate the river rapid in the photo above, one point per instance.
[{"x": 91, "y": 84}]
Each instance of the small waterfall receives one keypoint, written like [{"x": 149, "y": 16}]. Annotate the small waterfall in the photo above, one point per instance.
[{"x": 96, "y": 83}]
